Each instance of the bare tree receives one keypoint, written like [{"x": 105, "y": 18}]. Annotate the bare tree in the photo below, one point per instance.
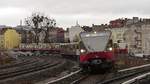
[{"x": 38, "y": 22}]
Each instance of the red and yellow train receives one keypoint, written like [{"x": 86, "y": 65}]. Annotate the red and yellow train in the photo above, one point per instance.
[{"x": 96, "y": 51}]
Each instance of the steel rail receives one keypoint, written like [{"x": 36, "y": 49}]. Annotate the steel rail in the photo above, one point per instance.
[
  {"x": 64, "y": 77},
  {"x": 127, "y": 72},
  {"x": 30, "y": 69},
  {"x": 137, "y": 78},
  {"x": 20, "y": 67},
  {"x": 16, "y": 64},
  {"x": 121, "y": 74},
  {"x": 133, "y": 68}
]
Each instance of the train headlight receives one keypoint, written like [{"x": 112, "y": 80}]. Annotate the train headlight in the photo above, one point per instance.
[
  {"x": 82, "y": 50},
  {"x": 110, "y": 48}
]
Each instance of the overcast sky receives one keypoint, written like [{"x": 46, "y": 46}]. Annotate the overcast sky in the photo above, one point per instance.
[{"x": 67, "y": 12}]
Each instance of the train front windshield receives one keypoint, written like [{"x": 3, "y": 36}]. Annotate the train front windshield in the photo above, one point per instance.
[{"x": 95, "y": 41}]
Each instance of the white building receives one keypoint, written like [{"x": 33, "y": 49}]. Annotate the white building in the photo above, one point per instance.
[
  {"x": 130, "y": 37},
  {"x": 138, "y": 39},
  {"x": 118, "y": 34},
  {"x": 146, "y": 39},
  {"x": 74, "y": 32}
]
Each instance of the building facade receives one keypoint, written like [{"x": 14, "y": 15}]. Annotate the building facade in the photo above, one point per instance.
[
  {"x": 11, "y": 39},
  {"x": 118, "y": 34},
  {"x": 74, "y": 32},
  {"x": 1, "y": 41},
  {"x": 56, "y": 35},
  {"x": 27, "y": 34},
  {"x": 138, "y": 39},
  {"x": 146, "y": 39},
  {"x": 2, "y": 31}
]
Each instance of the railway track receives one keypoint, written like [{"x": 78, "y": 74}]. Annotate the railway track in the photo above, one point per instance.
[
  {"x": 109, "y": 78},
  {"x": 19, "y": 66},
  {"x": 26, "y": 67},
  {"x": 125, "y": 74},
  {"x": 141, "y": 79},
  {"x": 22, "y": 62},
  {"x": 25, "y": 71},
  {"x": 66, "y": 79}
]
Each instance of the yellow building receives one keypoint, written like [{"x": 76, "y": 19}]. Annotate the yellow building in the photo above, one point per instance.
[{"x": 11, "y": 39}]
